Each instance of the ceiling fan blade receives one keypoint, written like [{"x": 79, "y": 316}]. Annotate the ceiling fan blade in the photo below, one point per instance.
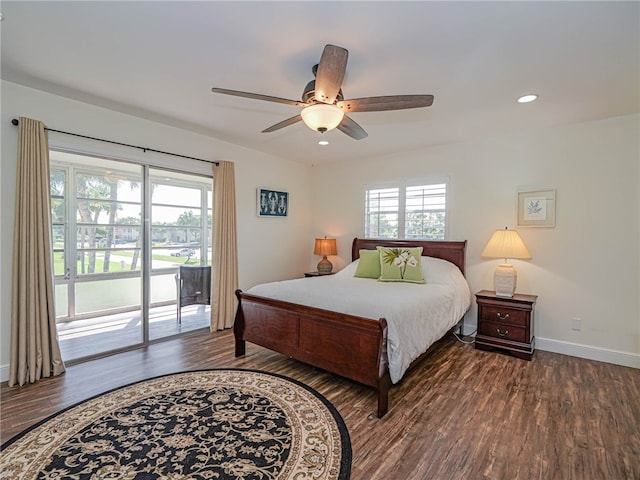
[
  {"x": 391, "y": 102},
  {"x": 257, "y": 96},
  {"x": 282, "y": 124},
  {"x": 330, "y": 74},
  {"x": 351, "y": 128}
]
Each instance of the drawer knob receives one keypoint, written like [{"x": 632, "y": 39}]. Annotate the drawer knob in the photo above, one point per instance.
[
  {"x": 501, "y": 333},
  {"x": 502, "y": 317}
]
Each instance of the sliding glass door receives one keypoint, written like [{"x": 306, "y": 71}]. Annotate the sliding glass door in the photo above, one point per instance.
[
  {"x": 115, "y": 274},
  {"x": 180, "y": 236}
]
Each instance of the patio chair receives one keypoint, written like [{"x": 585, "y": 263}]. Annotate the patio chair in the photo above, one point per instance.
[{"x": 193, "y": 287}]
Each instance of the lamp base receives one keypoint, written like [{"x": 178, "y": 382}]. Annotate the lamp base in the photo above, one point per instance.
[
  {"x": 325, "y": 266},
  {"x": 504, "y": 280}
]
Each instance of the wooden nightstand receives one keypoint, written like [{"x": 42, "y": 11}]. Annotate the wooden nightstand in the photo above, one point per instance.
[
  {"x": 506, "y": 323},
  {"x": 316, "y": 274}
]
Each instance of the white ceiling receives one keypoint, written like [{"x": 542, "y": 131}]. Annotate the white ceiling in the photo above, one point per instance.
[{"x": 158, "y": 60}]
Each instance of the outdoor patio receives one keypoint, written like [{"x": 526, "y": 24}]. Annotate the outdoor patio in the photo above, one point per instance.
[{"x": 83, "y": 338}]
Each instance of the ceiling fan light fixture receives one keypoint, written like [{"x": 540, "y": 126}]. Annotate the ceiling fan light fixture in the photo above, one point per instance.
[
  {"x": 323, "y": 104},
  {"x": 322, "y": 117}
]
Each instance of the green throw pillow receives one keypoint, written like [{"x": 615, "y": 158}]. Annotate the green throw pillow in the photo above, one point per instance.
[
  {"x": 401, "y": 265},
  {"x": 369, "y": 264}
]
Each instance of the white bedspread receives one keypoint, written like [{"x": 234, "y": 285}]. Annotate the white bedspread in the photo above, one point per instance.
[{"x": 417, "y": 315}]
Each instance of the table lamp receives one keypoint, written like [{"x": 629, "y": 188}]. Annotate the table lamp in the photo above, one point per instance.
[
  {"x": 325, "y": 246},
  {"x": 505, "y": 244}
]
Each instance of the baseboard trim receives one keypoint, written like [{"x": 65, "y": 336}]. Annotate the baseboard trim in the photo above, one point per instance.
[
  {"x": 591, "y": 353},
  {"x": 599, "y": 354}
]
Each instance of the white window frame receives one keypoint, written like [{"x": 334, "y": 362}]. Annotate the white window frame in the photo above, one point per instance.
[{"x": 402, "y": 185}]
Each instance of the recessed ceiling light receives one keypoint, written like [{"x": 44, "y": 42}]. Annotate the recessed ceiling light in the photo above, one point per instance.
[
  {"x": 323, "y": 142},
  {"x": 528, "y": 98}
]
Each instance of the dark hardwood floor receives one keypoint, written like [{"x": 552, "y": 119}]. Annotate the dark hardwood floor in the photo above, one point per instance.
[{"x": 459, "y": 414}]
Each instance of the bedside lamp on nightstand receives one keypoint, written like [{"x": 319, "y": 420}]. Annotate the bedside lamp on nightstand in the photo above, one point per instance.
[
  {"x": 325, "y": 246},
  {"x": 505, "y": 244}
]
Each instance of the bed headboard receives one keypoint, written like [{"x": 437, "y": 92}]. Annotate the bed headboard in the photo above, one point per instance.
[{"x": 453, "y": 252}]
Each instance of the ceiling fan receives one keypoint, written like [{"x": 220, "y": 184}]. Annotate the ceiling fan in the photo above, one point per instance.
[{"x": 323, "y": 105}]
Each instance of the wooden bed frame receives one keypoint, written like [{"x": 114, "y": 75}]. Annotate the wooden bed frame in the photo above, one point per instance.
[{"x": 351, "y": 346}]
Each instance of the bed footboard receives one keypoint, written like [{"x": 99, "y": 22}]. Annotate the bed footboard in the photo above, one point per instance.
[{"x": 350, "y": 346}]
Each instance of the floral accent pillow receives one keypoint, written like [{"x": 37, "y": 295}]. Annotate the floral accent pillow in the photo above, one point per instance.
[
  {"x": 369, "y": 264},
  {"x": 401, "y": 265}
]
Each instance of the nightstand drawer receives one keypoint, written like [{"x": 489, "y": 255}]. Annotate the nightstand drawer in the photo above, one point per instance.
[
  {"x": 506, "y": 323},
  {"x": 502, "y": 330},
  {"x": 505, "y": 315}
]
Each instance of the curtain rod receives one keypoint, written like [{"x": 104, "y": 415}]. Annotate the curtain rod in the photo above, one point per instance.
[{"x": 15, "y": 122}]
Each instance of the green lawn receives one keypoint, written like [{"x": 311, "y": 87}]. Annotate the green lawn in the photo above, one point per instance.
[
  {"x": 59, "y": 264},
  {"x": 115, "y": 265}
]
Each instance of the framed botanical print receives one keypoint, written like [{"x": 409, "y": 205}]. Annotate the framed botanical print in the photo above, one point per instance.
[{"x": 536, "y": 208}]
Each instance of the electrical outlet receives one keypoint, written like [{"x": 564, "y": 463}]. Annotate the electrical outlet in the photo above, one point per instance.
[{"x": 576, "y": 324}]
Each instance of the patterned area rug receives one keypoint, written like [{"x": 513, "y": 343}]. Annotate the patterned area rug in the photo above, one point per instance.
[{"x": 210, "y": 424}]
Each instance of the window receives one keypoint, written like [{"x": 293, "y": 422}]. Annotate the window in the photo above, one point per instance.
[{"x": 406, "y": 211}]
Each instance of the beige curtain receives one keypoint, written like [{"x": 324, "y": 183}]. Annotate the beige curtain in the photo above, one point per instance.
[
  {"x": 35, "y": 352},
  {"x": 225, "y": 247}
]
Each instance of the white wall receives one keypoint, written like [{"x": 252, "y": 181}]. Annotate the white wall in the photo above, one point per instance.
[
  {"x": 586, "y": 267},
  {"x": 269, "y": 248}
]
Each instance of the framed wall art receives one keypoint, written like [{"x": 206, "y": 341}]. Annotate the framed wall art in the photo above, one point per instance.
[
  {"x": 272, "y": 203},
  {"x": 536, "y": 208}
]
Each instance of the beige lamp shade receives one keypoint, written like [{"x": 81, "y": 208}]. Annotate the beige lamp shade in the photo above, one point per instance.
[
  {"x": 325, "y": 246},
  {"x": 322, "y": 117},
  {"x": 505, "y": 244}
]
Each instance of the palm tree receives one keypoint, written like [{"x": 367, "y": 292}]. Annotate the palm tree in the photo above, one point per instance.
[
  {"x": 189, "y": 219},
  {"x": 90, "y": 190},
  {"x": 113, "y": 197}
]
